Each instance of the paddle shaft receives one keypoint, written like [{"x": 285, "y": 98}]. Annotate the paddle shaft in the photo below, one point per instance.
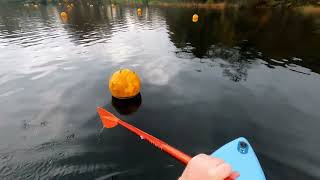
[{"x": 184, "y": 158}]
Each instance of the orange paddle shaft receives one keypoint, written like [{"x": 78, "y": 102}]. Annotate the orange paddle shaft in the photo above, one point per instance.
[
  {"x": 158, "y": 143},
  {"x": 184, "y": 158}
]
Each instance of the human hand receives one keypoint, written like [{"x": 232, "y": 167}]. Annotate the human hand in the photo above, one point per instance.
[{"x": 204, "y": 167}]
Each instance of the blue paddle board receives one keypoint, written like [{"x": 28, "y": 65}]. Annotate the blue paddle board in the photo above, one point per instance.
[{"x": 241, "y": 156}]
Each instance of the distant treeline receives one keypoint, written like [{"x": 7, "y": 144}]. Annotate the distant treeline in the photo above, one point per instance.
[{"x": 241, "y": 3}]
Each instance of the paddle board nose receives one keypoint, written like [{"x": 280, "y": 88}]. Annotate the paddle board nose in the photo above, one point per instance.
[{"x": 241, "y": 156}]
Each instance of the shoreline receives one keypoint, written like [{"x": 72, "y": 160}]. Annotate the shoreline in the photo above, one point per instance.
[
  {"x": 309, "y": 9},
  {"x": 217, "y": 6},
  {"x": 305, "y": 9}
]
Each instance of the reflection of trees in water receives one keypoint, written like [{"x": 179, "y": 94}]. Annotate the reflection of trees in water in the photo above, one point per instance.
[
  {"x": 84, "y": 24},
  {"x": 96, "y": 24},
  {"x": 89, "y": 24},
  {"x": 234, "y": 69},
  {"x": 237, "y": 61},
  {"x": 281, "y": 36},
  {"x": 26, "y": 25},
  {"x": 13, "y": 17},
  {"x": 279, "y": 33},
  {"x": 276, "y": 34},
  {"x": 212, "y": 28}
]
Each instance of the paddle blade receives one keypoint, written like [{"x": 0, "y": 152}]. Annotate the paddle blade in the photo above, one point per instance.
[{"x": 108, "y": 120}]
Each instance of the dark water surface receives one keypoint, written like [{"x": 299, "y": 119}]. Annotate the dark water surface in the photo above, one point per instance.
[{"x": 234, "y": 73}]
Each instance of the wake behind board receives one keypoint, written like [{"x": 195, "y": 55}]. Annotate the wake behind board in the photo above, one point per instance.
[{"x": 241, "y": 156}]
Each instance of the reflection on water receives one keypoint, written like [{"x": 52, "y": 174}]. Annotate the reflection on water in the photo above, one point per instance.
[
  {"x": 233, "y": 73},
  {"x": 127, "y": 106}
]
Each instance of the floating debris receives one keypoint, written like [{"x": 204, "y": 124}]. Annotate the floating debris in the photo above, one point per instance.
[
  {"x": 259, "y": 53},
  {"x": 70, "y": 137},
  {"x": 276, "y": 61},
  {"x": 296, "y": 59},
  {"x": 43, "y": 123},
  {"x": 25, "y": 124}
]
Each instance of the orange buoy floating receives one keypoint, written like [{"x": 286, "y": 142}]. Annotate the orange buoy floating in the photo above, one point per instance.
[
  {"x": 124, "y": 84},
  {"x": 195, "y": 18},
  {"x": 64, "y": 17},
  {"x": 63, "y": 14},
  {"x": 127, "y": 106},
  {"x": 139, "y": 12}
]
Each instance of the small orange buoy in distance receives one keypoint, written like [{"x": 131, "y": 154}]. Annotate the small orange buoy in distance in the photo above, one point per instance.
[
  {"x": 195, "y": 18},
  {"x": 139, "y": 10},
  {"x": 63, "y": 15},
  {"x": 124, "y": 84}
]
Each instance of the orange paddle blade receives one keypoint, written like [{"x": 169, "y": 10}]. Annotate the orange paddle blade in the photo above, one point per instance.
[{"x": 108, "y": 120}]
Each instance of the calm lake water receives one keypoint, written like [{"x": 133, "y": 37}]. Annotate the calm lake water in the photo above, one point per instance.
[{"x": 233, "y": 73}]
